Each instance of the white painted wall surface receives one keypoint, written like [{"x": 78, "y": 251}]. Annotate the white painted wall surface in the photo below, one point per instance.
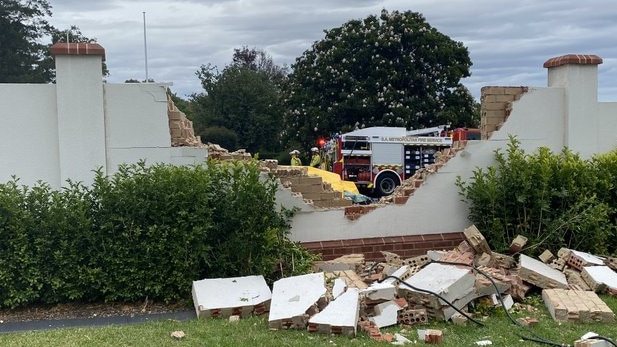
[
  {"x": 81, "y": 116},
  {"x": 55, "y": 132},
  {"x": 29, "y": 132},
  {"x": 552, "y": 117}
]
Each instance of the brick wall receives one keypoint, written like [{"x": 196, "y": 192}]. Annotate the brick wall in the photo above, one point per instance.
[
  {"x": 496, "y": 105},
  {"x": 405, "y": 246},
  {"x": 180, "y": 127}
]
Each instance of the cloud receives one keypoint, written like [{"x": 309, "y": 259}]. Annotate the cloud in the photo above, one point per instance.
[{"x": 507, "y": 42}]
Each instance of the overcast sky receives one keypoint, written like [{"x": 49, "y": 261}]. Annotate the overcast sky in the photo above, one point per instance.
[{"x": 508, "y": 41}]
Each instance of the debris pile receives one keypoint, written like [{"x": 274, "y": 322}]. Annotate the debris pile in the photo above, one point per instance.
[
  {"x": 219, "y": 153},
  {"x": 347, "y": 294},
  {"x": 311, "y": 188}
]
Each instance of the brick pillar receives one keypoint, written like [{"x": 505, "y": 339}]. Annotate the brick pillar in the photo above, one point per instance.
[{"x": 577, "y": 74}]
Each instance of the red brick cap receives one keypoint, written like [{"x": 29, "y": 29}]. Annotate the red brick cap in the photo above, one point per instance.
[
  {"x": 578, "y": 59},
  {"x": 77, "y": 48}
]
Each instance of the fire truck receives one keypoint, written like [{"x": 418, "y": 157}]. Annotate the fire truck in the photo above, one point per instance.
[{"x": 378, "y": 159}]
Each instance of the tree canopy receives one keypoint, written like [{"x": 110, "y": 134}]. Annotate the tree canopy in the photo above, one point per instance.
[
  {"x": 240, "y": 106},
  {"x": 22, "y": 26},
  {"x": 392, "y": 70},
  {"x": 24, "y": 57}
]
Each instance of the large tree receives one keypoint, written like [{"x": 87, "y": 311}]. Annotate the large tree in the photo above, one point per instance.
[
  {"x": 22, "y": 55},
  {"x": 390, "y": 70},
  {"x": 240, "y": 107}
]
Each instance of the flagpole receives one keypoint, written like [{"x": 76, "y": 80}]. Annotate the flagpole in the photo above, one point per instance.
[{"x": 145, "y": 48}]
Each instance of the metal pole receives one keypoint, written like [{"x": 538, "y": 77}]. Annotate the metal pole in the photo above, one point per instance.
[{"x": 145, "y": 47}]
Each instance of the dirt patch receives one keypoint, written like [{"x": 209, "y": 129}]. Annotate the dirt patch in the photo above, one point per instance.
[{"x": 88, "y": 310}]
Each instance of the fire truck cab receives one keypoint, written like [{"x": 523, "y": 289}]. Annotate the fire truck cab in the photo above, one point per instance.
[{"x": 378, "y": 159}]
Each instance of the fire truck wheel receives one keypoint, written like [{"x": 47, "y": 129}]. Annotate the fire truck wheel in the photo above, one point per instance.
[{"x": 386, "y": 183}]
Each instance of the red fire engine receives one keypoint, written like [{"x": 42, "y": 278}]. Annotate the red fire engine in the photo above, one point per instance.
[{"x": 378, "y": 159}]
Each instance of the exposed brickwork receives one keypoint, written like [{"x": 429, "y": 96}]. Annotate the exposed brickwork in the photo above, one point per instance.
[
  {"x": 405, "y": 246},
  {"x": 496, "y": 105},
  {"x": 63, "y": 48},
  {"x": 577, "y": 59},
  {"x": 181, "y": 128}
]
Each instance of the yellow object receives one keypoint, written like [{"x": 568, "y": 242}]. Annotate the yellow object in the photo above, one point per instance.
[
  {"x": 315, "y": 160},
  {"x": 335, "y": 180},
  {"x": 295, "y": 161}
]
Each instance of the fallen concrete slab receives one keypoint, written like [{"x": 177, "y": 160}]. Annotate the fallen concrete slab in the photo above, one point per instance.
[
  {"x": 452, "y": 283},
  {"x": 600, "y": 276},
  {"x": 386, "y": 314},
  {"x": 540, "y": 274},
  {"x": 340, "y": 316},
  {"x": 293, "y": 297},
  {"x": 224, "y": 297}
]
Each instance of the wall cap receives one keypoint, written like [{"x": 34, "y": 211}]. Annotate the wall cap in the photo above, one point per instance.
[
  {"x": 77, "y": 48},
  {"x": 576, "y": 59}
]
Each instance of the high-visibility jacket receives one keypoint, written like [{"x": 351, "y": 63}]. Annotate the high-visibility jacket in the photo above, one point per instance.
[
  {"x": 295, "y": 161},
  {"x": 315, "y": 160}
]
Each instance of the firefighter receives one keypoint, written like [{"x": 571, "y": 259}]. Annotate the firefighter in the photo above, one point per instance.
[
  {"x": 315, "y": 157},
  {"x": 295, "y": 160}
]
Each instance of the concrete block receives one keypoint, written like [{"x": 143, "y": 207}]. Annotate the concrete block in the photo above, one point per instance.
[
  {"x": 452, "y": 284},
  {"x": 448, "y": 281},
  {"x": 476, "y": 240},
  {"x": 546, "y": 257},
  {"x": 386, "y": 314},
  {"x": 224, "y": 297},
  {"x": 597, "y": 276},
  {"x": 410, "y": 316},
  {"x": 340, "y": 316},
  {"x": 380, "y": 291},
  {"x": 293, "y": 297},
  {"x": 517, "y": 244},
  {"x": 580, "y": 259},
  {"x": 392, "y": 258},
  {"x": 418, "y": 261},
  {"x": 540, "y": 274}
]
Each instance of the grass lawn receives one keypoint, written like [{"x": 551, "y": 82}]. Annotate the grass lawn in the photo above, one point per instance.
[{"x": 254, "y": 332}]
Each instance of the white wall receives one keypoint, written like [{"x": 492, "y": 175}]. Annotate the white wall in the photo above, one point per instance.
[
  {"x": 29, "y": 133},
  {"x": 55, "y": 132},
  {"x": 551, "y": 117}
]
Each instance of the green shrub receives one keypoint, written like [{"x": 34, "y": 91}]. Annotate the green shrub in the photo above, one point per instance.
[
  {"x": 555, "y": 200},
  {"x": 144, "y": 232}
]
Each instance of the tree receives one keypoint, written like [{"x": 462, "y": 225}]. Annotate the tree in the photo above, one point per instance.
[
  {"x": 22, "y": 56},
  {"x": 257, "y": 60},
  {"x": 391, "y": 70},
  {"x": 241, "y": 104},
  {"x": 74, "y": 34}
]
